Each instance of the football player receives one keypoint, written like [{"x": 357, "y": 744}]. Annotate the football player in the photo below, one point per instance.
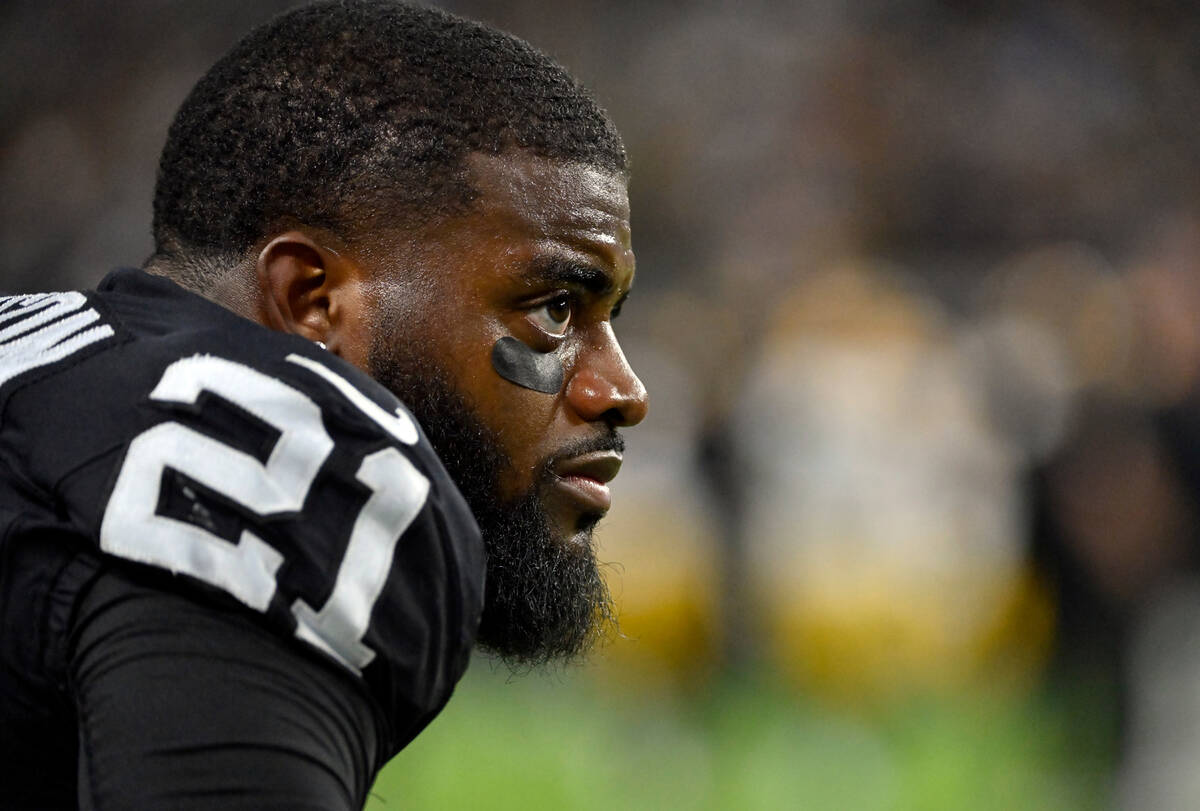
[{"x": 357, "y": 413}]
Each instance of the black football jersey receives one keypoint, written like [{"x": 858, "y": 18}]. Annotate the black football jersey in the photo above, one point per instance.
[{"x": 255, "y": 467}]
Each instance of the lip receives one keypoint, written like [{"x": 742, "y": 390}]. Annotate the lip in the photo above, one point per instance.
[{"x": 586, "y": 477}]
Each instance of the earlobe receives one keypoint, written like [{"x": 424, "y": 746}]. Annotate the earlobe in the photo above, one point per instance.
[{"x": 294, "y": 279}]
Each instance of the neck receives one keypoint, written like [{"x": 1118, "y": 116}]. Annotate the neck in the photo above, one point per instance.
[{"x": 233, "y": 285}]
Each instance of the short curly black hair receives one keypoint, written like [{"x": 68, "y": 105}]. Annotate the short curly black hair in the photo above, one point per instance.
[{"x": 347, "y": 115}]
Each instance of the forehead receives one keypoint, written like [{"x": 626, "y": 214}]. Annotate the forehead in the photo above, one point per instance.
[{"x": 571, "y": 204}]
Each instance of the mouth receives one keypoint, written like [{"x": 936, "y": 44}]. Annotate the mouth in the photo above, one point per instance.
[{"x": 584, "y": 478}]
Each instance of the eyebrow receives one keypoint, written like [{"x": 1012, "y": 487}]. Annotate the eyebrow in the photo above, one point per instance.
[{"x": 557, "y": 270}]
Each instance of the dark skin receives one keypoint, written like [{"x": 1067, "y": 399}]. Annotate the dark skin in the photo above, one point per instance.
[{"x": 544, "y": 256}]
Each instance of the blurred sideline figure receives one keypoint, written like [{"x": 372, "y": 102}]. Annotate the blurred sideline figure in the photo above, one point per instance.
[
  {"x": 886, "y": 524},
  {"x": 358, "y": 412}
]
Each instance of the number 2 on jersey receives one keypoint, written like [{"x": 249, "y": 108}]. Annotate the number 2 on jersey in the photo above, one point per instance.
[{"x": 133, "y": 529}]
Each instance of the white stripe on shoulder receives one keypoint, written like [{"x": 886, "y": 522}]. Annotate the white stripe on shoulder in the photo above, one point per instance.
[{"x": 399, "y": 424}]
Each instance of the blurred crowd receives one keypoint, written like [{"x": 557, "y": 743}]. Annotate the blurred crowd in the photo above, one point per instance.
[{"x": 918, "y": 306}]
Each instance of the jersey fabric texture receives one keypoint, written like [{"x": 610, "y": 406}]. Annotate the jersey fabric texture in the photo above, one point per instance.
[{"x": 215, "y": 540}]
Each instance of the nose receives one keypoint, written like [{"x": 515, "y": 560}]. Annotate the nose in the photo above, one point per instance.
[{"x": 604, "y": 387}]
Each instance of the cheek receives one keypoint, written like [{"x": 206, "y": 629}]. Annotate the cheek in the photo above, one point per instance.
[
  {"x": 520, "y": 412},
  {"x": 520, "y": 422}
]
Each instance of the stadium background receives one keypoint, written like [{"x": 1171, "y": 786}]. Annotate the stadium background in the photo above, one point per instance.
[{"x": 913, "y": 522}]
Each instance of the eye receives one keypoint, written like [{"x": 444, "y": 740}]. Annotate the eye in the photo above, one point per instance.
[{"x": 554, "y": 316}]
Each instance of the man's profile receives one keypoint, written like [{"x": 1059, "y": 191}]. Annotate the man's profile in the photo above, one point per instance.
[{"x": 357, "y": 413}]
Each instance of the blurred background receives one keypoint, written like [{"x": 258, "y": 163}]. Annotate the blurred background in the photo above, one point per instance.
[{"x": 913, "y": 523}]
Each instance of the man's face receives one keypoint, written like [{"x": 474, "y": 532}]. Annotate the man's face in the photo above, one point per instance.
[{"x": 542, "y": 257}]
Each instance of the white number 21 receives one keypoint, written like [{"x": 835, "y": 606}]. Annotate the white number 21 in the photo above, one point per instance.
[{"x": 133, "y": 529}]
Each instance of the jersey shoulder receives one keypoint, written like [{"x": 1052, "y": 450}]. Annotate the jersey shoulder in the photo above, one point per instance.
[{"x": 175, "y": 435}]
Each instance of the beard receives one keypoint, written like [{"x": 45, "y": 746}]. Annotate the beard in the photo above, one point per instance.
[{"x": 545, "y": 598}]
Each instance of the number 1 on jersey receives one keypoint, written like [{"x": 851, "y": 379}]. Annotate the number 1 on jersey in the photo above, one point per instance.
[{"x": 398, "y": 491}]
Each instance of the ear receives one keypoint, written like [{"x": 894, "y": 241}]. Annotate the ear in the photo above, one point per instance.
[{"x": 308, "y": 289}]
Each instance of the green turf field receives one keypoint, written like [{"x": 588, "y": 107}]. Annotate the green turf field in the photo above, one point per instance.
[{"x": 564, "y": 742}]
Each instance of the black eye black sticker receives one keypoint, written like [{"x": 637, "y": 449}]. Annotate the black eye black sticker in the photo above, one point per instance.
[{"x": 518, "y": 363}]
